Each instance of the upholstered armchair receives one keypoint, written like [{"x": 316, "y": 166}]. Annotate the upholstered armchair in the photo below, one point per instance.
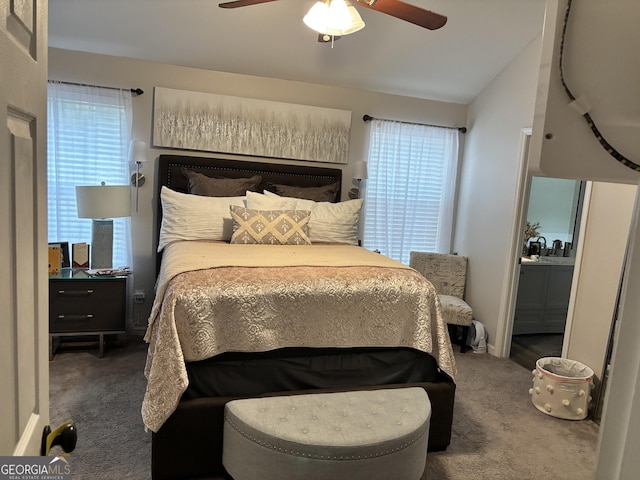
[{"x": 448, "y": 274}]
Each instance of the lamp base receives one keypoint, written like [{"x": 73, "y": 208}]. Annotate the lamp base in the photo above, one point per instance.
[{"x": 101, "y": 243}]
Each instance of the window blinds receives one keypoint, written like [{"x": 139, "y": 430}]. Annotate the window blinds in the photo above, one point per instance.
[
  {"x": 410, "y": 191},
  {"x": 88, "y": 134}
]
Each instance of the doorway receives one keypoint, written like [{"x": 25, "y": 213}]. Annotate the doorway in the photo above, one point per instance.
[{"x": 546, "y": 267}]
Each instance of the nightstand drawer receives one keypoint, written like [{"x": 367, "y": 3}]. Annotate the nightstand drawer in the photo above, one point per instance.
[{"x": 87, "y": 305}]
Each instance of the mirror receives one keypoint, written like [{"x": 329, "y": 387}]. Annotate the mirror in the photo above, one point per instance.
[
  {"x": 555, "y": 205},
  {"x": 546, "y": 268}
]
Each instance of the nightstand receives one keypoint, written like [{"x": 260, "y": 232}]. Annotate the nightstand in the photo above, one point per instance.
[{"x": 81, "y": 305}]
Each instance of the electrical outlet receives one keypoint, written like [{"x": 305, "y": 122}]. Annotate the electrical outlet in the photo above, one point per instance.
[{"x": 139, "y": 296}]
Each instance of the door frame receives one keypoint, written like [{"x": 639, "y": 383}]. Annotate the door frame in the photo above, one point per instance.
[
  {"x": 512, "y": 268},
  {"x": 512, "y": 274},
  {"x": 584, "y": 219}
]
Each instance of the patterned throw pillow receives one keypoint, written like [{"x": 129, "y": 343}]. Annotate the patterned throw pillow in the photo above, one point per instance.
[{"x": 270, "y": 227}]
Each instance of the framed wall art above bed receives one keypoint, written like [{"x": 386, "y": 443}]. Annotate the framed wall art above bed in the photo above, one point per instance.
[{"x": 219, "y": 123}]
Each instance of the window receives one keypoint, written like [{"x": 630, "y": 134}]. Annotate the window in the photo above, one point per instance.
[
  {"x": 410, "y": 189},
  {"x": 88, "y": 135}
]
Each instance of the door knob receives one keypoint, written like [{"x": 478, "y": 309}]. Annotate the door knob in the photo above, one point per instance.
[{"x": 65, "y": 436}]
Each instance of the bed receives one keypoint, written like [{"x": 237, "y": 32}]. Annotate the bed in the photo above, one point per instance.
[{"x": 237, "y": 319}]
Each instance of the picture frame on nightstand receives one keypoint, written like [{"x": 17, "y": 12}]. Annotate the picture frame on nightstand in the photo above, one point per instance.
[
  {"x": 80, "y": 255},
  {"x": 65, "y": 259}
]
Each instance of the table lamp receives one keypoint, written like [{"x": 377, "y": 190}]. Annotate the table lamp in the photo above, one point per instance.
[{"x": 102, "y": 203}]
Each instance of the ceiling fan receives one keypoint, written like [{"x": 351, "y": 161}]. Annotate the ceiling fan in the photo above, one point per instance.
[{"x": 395, "y": 8}]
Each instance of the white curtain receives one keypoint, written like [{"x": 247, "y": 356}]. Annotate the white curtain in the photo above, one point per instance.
[
  {"x": 88, "y": 134},
  {"x": 410, "y": 190}
]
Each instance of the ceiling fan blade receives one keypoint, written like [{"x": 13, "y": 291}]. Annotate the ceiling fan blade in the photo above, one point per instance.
[
  {"x": 405, "y": 11},
  {"x": 242, "y": 3}
]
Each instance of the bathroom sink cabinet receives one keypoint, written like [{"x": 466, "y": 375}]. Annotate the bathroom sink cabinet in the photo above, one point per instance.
[{"x": 543, "y": 298}]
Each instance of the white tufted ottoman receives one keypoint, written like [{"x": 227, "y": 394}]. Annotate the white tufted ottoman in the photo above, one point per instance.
[{"x": 358, "y": 435}]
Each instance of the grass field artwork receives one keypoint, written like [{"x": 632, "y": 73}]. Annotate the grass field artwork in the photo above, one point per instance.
[{"x": 219, "y": 123}]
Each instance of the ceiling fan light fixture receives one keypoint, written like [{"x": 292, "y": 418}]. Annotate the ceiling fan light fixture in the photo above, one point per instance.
[
  {"x": 356, "y": 22},
  {"x": 317, "y": 18},
  {"x": 339, "y": 18},
  {"x": 333, "y": 17}
]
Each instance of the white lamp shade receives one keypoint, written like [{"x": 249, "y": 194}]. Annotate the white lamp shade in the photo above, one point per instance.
[
  {"x": 103, "y": 201},
  {"x": 318, "y": 17},
  {"x": 356, "y": 21},
  {"x": 360, "y": 170},
  {"x": 337, "y": 17},
  {"x": 137, "y": 151}
]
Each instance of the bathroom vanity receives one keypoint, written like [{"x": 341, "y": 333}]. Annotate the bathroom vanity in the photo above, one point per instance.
[{"x": 543, "y": 295}]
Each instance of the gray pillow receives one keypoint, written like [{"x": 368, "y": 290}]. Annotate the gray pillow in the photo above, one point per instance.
[
  {"x": 326, "y": 193},
  {"x": 206, "y": 186}
]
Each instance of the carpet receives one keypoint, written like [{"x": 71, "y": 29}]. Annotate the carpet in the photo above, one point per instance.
[
  {"x": 103, "y": 396},
  {"x": 497, "y": 432}
]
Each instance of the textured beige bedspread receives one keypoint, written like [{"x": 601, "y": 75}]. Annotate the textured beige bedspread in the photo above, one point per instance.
[{"x": 216, "y": 297}]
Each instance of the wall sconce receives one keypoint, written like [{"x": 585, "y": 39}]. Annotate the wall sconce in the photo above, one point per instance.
[
  {"x": 137, "y": 155},
  {"x": 359, "y": 174},
  {"x": 103, "y": 203}
]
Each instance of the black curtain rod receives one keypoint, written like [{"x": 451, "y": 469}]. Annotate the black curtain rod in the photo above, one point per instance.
[
  {"x": 367, "y": 118},
  {"x": 136, "y": 92}
]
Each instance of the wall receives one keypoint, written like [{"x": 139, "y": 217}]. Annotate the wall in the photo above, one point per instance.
[
  {"x": 619, "y": 439},
  {"x": 600, "y": 67},
  {"x": 606, "y": 229},
  {"x": 490, "y": 187},
  {"x": 123, "y": 72}
]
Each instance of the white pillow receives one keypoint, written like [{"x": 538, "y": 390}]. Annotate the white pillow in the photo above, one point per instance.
[
  {"x": 329, "y": 222},
  {"x": 270, "y": 201},
  {"x": 195, "y": 217}
]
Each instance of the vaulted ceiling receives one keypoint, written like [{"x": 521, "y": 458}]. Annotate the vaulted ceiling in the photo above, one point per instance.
[{"x": 453, "y": 63}]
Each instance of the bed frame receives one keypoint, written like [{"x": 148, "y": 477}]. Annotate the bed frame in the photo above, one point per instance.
[{"x": 189, "y": 444}]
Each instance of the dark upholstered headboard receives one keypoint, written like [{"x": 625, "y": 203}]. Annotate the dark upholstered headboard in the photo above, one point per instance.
[{"x": 170, "y": 174}]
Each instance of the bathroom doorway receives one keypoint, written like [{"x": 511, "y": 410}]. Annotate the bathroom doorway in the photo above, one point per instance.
[{"x": 547, "y": 260}]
